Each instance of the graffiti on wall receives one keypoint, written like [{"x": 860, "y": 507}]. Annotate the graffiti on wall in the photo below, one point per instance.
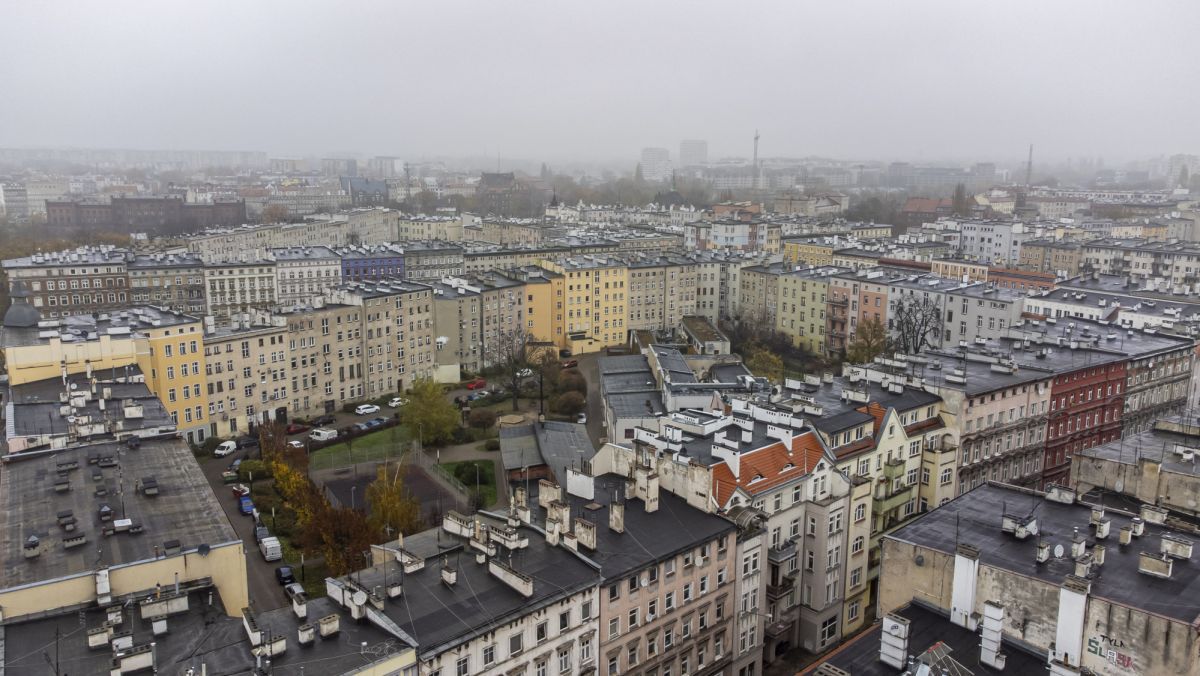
[{"x": 1107, "y": 648}]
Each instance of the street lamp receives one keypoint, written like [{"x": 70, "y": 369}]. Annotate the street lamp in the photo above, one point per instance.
[{"x": 352, "y": 489}]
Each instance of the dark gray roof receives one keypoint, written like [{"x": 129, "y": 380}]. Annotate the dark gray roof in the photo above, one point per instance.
[
  {"x": 974, "y": 518},
  {"x": 649, "y": 536},
  {"x": 185, "y": 508},
  {"x": 20, "y": 313},
  {"x": 927, "y": 628},
  {"x": 728, "y": 373},
  {"x": 435, "y": 614}
]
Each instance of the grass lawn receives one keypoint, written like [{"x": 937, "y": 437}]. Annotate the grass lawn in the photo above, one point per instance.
[
  {"x": 378, "y": 445},
  {"x": 465, "y": 472}
]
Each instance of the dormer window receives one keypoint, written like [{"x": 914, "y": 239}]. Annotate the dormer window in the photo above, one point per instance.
[
  {"x": 757, "y": 477},
  {"x": 786, "y": 468}
]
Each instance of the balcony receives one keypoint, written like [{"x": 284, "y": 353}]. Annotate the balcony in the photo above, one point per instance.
[
  {"x": 886, "y": 502},
  {"x": 782, "y": 553},
  {"x": 781, "y": 586},
  {"x": 893, "y": 469},
  {"x": 781, "y": 625},
  {"x": 843, "y": 302}
]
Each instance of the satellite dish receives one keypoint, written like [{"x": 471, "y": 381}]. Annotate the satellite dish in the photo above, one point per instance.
[
  {"x": 360, "y": 598},
  {"x": 1058, "y": 551},
  {"x": 202, "y": 549},
  {"x": 919, "y": 560}
]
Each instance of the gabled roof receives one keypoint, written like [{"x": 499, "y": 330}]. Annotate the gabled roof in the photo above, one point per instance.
[{"x": 768, "y": 467}]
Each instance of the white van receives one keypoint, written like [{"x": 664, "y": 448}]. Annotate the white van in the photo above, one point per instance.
[
  {"x": 270, "y": 548},
  {"x": 322, "y": 434}
]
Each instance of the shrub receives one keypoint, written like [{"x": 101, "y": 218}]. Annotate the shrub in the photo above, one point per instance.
[
  {"x": 572, "y": 382},
  {"x": 482, "y": 418},
  {"x": 258, "y": 468},
  {"x": 492, "y": 445},
  {"x": 569, "y": 403}
]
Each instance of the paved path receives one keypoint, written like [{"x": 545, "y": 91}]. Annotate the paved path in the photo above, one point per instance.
[{"x": 472, "y": 451}]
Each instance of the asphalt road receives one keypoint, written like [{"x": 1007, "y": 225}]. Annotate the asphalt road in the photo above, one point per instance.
[
  {"x": 265, "y": 592},
  {"x": 595, "y": 403}
]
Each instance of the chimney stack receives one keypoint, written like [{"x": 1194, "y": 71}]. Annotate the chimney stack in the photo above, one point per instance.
[
  {"x": 992, "y": 635},
  {"x": 616, "y": 516},
  {"x": 893, "y": 644}
]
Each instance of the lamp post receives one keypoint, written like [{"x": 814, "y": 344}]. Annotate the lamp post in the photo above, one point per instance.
[{"x": 352, "y": 490}]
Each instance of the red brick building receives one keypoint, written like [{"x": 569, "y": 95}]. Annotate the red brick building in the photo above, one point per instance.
[
  {"x": 168, "y": 214},
  {"x": 1087, "y": 399}
]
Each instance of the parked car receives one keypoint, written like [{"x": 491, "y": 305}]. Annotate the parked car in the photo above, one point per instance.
[
  {"x": 564, "y": 353},
  {"x": 284, "y": 575},
  {"x": 397, "y": 402},
  {"x": 570, "y": 363},
  {"x": 362, "y": 426},
  {"x": 292, "y": 590},
  {"x": 247, "y": 442},
  {"x": 322, "y": 434},
  {"x": 225, "y": 448},
  {"x": 270, "y": 548},
  {"x": 233, "y": 466},
  {"x": 477, "y": 384},
  {"x": 246, "y": 505},
  {"x": 239, "y": 490},
  {"x": 366, "y": 409},
  {"x": 581, "y": 418},
  {"x": 295, "y": 443},
  {"x": 261, "y": 533},
  {"x": 327, "y": 419},
  {"x": 296, "y": 428},
  {"x": 377, "y": 422},
  {"x": 477, "y": 395},
  {"x": 524, "y": 373}
]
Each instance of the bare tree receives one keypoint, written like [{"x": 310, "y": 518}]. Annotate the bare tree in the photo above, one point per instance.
[
  {"x": 508, "y": 353},
  {"x": 916, "y": 323}
]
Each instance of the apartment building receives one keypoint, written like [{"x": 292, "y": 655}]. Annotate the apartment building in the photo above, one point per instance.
[
  {"x": 79, "y": 281},
  {"x": 239, "y": 287},
  {"x": 246, "y": 373},
  {"x": 304, "y": 273},
  {"x": 480, "y": 319},
  {"x": 993, "y": 242},
  {"x": 595, "y": 301},
  {"x": 371, "y": 263},
  {"x": 980, "y": 311},
  {"x": 662, "y": 291},
  {"x": 1051, "y": 255},
  {"x": 171, "y": 355},
  {"x": 666, "y": 570},
  {"x": 759, "y": 293},
  {"x": 420, "y": 227},
  {"x": 764, "y": 457},
  {"x": 171, "y": 280},
  {"x": 1176, "y": 265},
  {"x": 544, "y": 294},
  {"x": 802, "y": 307},
  {"x": 430, "y": 261}
]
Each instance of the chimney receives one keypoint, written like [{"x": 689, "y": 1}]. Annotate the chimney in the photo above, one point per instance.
[
  {"x": 1175, "y": 546},
  {"x": 449, "y": 575},
  {"x": 1043, "y": 552},
  {"x": 547, "y": 492},
  {"x": 1083, "y": 566},
  {"x": 1152, "y": 514},
  {"x": 962, "y": 595},
  {"x": 1060, "y": 494},
  {"x": 992, "y": 635},
  {"x": 1126, "y": 535},
  {"x": 893, "y": 643},
  {"x": 651, "y": 501},
  {"x": 1138, "y": 526},
  {"x": 1098, "y": 555},
  {"x": 1102, "y": 528},
  {"x": 585, "y": 532},
  {"x": 616, "y": 516},
  {"x": 1068, "y": 638},
  {"x": 306, "y": 634},
  {"x": 328, "y": 625},
  {"x": 520, "y": 497},
  {"x": 1158, "y": 565},
  {"x": 1078, "y": 545}
]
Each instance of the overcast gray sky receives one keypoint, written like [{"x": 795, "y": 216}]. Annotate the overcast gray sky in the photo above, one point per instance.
[{"x": 599, "y": 80}]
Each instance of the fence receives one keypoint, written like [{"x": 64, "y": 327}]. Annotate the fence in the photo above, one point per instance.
[
  {"x": 430, "y": 465},
  {"x": 386, "y": 444}
]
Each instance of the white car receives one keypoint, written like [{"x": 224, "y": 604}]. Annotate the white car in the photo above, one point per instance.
[
  {"x": 581, "y": 418},
  {"x": 366, "y": 409},
  {"x": 397, "y": 402},
  {"x": 524, "y": 373},
  {"x": 224, "y": 449},
  {"x": 294, "y": 443}
]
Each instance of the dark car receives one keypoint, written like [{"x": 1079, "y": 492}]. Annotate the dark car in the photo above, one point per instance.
[
  {"x": 284, "y": 575},
  {"x": 247, "y": 442},
  {"x": 323, "y": 420},
  {"x": 570, "y": 363},
  {"x": 377, "y": 422},
  {"x": 564, "y": 353},
  {"x": 296, "y": 428}
]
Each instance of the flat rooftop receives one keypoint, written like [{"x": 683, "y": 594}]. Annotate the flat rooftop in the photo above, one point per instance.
[
  {"x": 1156, "y": 444},
  {"x": 976, "y": 518},
  {"x": 36, "y": 408},
  {"x": 185, "y": 510},
  {"x": 928, "y": 630}
]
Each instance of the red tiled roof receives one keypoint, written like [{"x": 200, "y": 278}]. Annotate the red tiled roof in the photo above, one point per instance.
[{"x": 771, "y": 463}]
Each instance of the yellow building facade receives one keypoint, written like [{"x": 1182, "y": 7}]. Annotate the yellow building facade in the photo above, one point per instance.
[
  {"x": 595, "y": 302},
  {"x": 171, "y": 356}
]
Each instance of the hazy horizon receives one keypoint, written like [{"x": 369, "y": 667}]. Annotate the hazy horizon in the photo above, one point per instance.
[{"x": 920, "y": 81}]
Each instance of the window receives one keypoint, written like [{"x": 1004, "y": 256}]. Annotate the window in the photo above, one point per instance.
[
  {"x": 614, "y": 627},
  {"x": 855, "y": 577},
  {"x": 652, "y": 574},
  {"x": 633, "y": 655},
  {"x": 633, "y": 618},
  {"x": 542, "y": 632},
  {"x": 463, "y": 666},
  {"x": 564, "y": 621},
  {"x": 585, "y": 611},
  {"x": 828, "y": 630},
  {"x": 687, "y": 592},
  {"x": 852, "y": 612},
  {"x": 669, "y": 601},
  {"x": 585, "y": 649},
  {"x": 489, "y": 655},
  {"x": 947, "y": 476},
  {"x": 564, "y": 662},
  {"x": 539, "y": 669},
  {"x": 614, "y": 592},
  {"x": 857, "y": 546},
  {"x": 612, "y": 665},
  {"x": 860, "y": 512}
]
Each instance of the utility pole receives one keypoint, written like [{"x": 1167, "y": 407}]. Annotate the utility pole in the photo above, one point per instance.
[{"x": 1029, "y": 168}]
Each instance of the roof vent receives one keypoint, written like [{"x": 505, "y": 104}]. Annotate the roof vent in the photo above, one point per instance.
[{"x": 1158, "y": 565}]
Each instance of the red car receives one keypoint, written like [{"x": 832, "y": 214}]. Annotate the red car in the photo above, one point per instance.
[
  {"x": 477, "y": 384},
  {"x": 570, "y": 363},
  {"x": 296, "y": 428}
]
